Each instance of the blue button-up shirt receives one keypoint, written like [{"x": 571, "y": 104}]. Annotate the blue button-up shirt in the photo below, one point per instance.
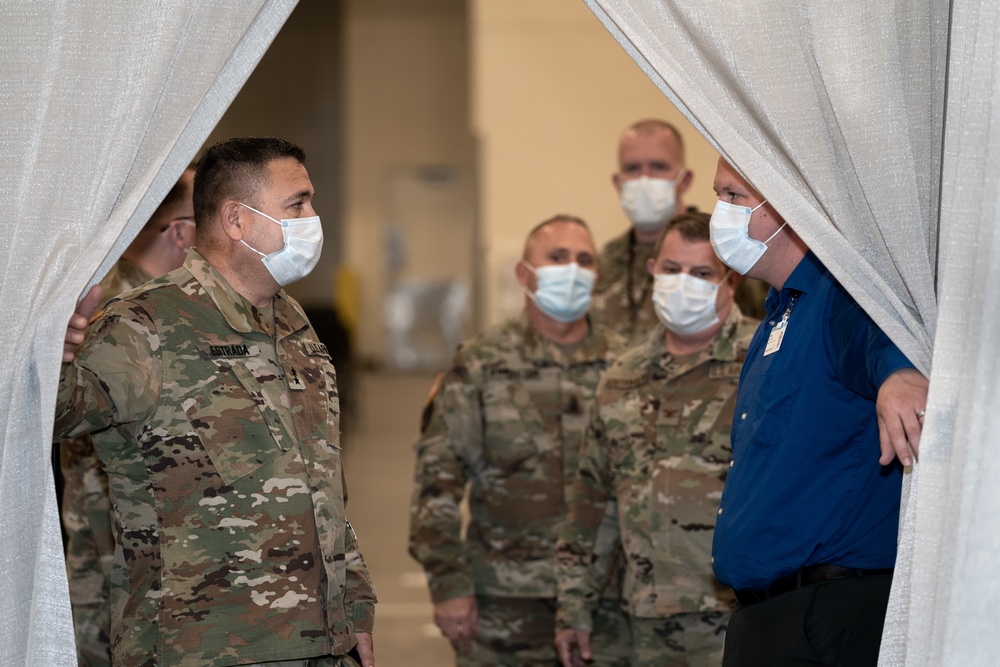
[{"x": 805, "y": 485}]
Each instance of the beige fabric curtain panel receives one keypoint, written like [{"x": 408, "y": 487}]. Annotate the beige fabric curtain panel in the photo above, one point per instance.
[
  {"x": 102, "y": 105},
  {"x": 873, "y": 128}
]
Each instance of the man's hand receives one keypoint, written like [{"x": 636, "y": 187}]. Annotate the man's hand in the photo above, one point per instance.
[
  {"x": 366, "y": 649},
  {"x": 457, "y": 619},
  {"x": 573, "y": 647},
  {"x": 77, "y": 327},
  {"x": 900, "y": 406}
]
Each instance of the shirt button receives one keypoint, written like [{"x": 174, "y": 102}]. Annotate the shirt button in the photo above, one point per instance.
[
  {"x": 743, "y": 416},
  {"x": 720, "y": 510},
  {"x": 732, "y": 463},
  {"x": 713, "y": 560}
]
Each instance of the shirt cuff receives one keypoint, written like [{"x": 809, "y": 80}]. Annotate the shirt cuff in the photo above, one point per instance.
[{"x": 362, "y": 616}]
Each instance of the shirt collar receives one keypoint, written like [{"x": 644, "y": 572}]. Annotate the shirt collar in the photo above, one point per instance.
[
  {"x": 806, "y": 274},
  {"x": 240, "y": 314},
  {"x": 723, "y": 348},
  {"x": 536, "y": 346}
]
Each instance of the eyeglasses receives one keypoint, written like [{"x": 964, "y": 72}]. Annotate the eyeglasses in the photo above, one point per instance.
[{"x": 187, "y": 220}]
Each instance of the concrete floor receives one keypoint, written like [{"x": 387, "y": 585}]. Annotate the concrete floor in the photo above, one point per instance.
[{"x": 378, "y": 461}]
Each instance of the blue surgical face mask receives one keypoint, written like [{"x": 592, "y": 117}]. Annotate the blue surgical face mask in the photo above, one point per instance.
[
  {"x": 303, "y": 246},
  {"x": 729, "y": 230},
  {"x": 563, "y": 291}
]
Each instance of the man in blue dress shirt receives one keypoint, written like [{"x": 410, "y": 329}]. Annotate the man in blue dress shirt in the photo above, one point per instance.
[{"x": 806, "y": 532}]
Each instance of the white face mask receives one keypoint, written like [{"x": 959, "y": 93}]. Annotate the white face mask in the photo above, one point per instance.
[
  {"x": 730, "y": 234},
  {"x": 303, "y": 246},
  {"x": 563, "y": 291},
  {"x": 685, "y": 304},
  {"x": 649, "y": 202}
]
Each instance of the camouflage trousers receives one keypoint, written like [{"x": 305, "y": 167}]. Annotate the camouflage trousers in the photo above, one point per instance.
[
  {"x": 681, "y": 640},
  {"x": 520, "y": 632}
]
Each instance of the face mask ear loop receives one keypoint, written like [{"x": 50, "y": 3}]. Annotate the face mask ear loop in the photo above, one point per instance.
[{"x": 774, "y": 234}]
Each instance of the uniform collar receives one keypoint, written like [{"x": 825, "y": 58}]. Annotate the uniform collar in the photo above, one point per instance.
[
  {"x": 240, "y": 314},
  {"x": 594, "y": 346},
  {"x": 723, "y": 348}
]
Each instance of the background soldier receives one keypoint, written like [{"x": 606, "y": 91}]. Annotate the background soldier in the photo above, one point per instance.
[
  {"x": 651, "y": 181},
  {"x": 160, "y": 247},
  {"x": 215, "y": 413},
  {"x": 656, "y": 453},
  {"x": 508, "y": 419}
]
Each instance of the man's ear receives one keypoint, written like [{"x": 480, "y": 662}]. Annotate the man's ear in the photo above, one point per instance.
[
  {"x": 616, "y": 180},
  {"x": 685, "y": 182},
  {"x": 229, "y": 217},
  {"x": 522, "y": 274}
]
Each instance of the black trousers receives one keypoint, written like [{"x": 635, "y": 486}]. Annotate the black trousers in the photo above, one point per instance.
[{"x": 835, "y": 623}]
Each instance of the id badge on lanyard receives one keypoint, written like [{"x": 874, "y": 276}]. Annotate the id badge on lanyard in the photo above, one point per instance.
[{"x": 778, "y": 332}]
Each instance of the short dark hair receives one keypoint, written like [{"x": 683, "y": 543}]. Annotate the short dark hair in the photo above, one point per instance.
[
  {"x": 176, "y": 194},
  {"x": 236, "y": 169},
  {"x": 560, "y": 217},
  {"x": 692, "y": 224}
]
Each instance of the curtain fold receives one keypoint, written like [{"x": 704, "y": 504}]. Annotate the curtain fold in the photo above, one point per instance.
[
  {"x": 944, "y": 608},
  {"x": 874, "y": 128},
  {"x": 103, "y": 104}
]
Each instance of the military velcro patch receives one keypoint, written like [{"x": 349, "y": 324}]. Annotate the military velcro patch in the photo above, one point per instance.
[
  {"x": 624, "y": 383},
  {"x": 229, "y": 351},
  {"x": 723, "y": 371},
  {"x": 510, "y": 374},
  {"x": 313, "y": 349}
]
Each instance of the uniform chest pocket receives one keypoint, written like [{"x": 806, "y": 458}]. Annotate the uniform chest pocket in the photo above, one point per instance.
[
  {"x": 234, "y": 422},
  {"x": 513, "y": 430}
]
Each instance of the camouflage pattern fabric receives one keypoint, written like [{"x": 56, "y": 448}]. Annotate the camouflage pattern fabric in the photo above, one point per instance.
[
  {"x": 86, "y": 516},
  {"x": 630, "y": 313},
  {"x": 680, "y": 640},
  {"x": 508, "y": 420},
  {"x": 515, "y": 632},
  {"x": 218, "y": 426},
  {"x": 657, "y": 450}
]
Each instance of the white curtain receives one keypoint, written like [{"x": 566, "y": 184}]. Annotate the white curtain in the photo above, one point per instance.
[
  {"x": 102, "y": 105},
  {"x": 873, "y": 128}
]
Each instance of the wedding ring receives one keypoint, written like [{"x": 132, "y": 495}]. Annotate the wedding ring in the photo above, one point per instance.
[{"x": 921, "y": 413}]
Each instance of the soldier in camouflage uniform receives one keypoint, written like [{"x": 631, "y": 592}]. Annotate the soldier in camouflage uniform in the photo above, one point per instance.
[
  {"x": 651, "y": 182},
  {"x": 159, "y": 247},
  {"x": 508, "y": 420},
  {"x": 655, "y": 453},
  {"x": 214, "y": 411}
]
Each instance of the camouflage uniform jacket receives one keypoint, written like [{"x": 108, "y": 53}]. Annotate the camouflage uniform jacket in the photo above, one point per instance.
[
  {"x": 509, "y": 419},
  {"x": 624, "y": 288},
  {"x": 657, "y": 450},
  {"x": 219, "y": 430},
  {"x": 86, "y": 515}
]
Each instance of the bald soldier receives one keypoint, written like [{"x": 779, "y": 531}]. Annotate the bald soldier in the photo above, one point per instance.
[
  {"x": 651, "y": 182},
  {"x": 508, "y": 420},
  {"x": 214, "y": 411},
  {"x": 655, "y": 454},
  {"x": 160, "y": 247}
]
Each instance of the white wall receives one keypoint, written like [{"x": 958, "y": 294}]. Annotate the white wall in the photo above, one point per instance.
[{"x": 551, "y": 93}]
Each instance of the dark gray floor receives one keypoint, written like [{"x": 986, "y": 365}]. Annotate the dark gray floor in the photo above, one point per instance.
[{"x": 378, "y": 460}]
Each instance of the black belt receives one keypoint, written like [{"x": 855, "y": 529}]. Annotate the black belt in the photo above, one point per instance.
[{"x": 809, "y": 576}]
